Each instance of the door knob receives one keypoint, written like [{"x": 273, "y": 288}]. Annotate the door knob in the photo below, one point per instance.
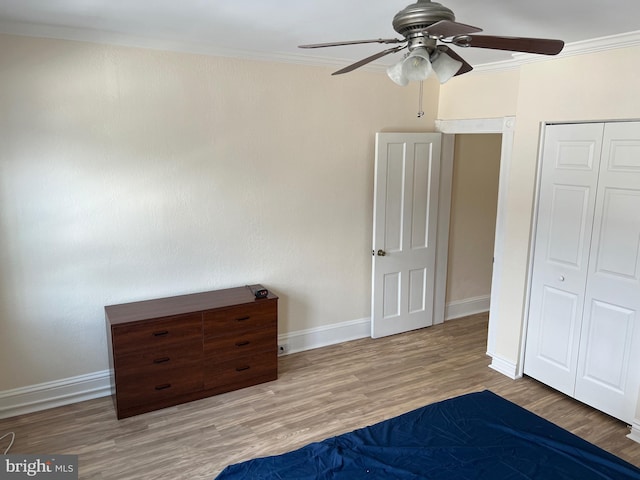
[
  {"x": 561, "y": 278},
  {"x": 381, "y": 253}
]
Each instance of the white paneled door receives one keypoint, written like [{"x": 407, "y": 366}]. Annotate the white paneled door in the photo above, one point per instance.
[
  {"x": 568, "y": 184},
  {"x": 609, "y": 356},
  {"x": 407, "y": 176},
  {"x": 583, "y": 334}
]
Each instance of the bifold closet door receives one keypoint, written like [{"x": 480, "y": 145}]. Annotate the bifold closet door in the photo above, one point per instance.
[
  {"x": 583, "y": 335},
  {"x": 566, "y": 204},
  {"x": 609, "y": 356}
]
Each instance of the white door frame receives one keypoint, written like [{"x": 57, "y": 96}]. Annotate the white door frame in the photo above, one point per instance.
[{"x": 506, "y": 127}]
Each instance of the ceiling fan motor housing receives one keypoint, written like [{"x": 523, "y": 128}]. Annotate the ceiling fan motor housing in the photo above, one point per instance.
[{"x": 418, "y": 16}]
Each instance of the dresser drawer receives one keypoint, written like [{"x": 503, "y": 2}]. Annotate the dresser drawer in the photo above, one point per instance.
[
  {"x": 245, "y": 343},
  {"x": 156, "y": 334},
  {"x": 159, "y": 359},
  {"x": 148, "y": 388},
  {"x": 261, "y": 313},
  {"x": 261, "y": 367}
]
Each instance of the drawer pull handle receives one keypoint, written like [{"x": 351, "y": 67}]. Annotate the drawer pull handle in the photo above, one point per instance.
[
  {"x": 243, "y": 344},
  {"x": 161, "y": 360},
  {"x": 161, "y": 334},
  {"x": 163, "y": 387},
  {"x": 242, "y": 319},
  {"x": 242, "y": 369}
]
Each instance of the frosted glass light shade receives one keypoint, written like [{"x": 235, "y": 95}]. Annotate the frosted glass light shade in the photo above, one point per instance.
[
  {"x": 445, "y": 67},
  {"x": 417, "y": 67},
  {"x": 395, "y": 73}
]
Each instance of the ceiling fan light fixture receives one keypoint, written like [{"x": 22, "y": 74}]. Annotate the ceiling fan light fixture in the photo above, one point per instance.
[
  {"x": 417, "y": 66},
  {"x": 444, "y": 66},
  {"x": 394, "y": 72}
]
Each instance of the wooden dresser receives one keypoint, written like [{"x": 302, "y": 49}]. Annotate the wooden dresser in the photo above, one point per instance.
[{"x": 168, "y": 351}]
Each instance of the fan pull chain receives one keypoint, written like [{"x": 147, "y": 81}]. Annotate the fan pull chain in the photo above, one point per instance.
[{"x": 420, "y": 110}]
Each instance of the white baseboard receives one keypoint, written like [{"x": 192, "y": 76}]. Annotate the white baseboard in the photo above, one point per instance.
[
  {"x": 503, "y": 366},
  {"x": 324, "y": 336},
  {"x": 466, "y": 307},
  {"x": 54, "y": 394},
  {"x": 43, "y": 396},
  {"x": 635, "y": 432},
  {"x": 94, "y": 385},
  {"x": 353, "y": 330}
]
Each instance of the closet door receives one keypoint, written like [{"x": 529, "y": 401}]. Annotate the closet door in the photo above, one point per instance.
[
  {"x": 609, "y": 356},
  {"x": 571, "y": 155}
]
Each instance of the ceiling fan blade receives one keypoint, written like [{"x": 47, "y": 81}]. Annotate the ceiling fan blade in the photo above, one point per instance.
[
  {"x": 542, "y": 46},
  {"x": 370, "y": 59},
  {"x": 446, "y": 28},
  {"x": 351, "y": 42},
  {"x": 465, "y": 68}
]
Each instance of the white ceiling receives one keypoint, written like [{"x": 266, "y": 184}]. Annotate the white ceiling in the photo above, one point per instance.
[{"x": 272, "y": 29}]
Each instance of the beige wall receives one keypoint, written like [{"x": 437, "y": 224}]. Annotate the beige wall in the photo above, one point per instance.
[
  {"x": 474, "y": 199},
  {"x": 594, "y": 86},
  {"x": 129, "y": 174},
  {"x": 480, "y": 95},
  {"x": 588, "y": 87}
]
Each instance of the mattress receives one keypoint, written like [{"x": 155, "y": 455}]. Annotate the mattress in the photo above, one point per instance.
[{"x": 475, "y": 436}]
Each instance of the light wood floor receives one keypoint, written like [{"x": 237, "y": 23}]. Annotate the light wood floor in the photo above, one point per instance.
[{"x": 319, "y": 393}]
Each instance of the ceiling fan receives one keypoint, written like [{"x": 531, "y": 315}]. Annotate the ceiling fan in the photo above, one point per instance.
[{"x": 426, "y": 26}]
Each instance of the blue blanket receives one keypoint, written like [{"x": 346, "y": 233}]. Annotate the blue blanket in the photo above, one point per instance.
[{"x": 474, "y": 436}]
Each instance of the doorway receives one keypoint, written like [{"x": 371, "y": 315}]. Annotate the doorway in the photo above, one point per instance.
[
  {"x": 504, "y": 126},
  {"x": 474, "y": 199}
]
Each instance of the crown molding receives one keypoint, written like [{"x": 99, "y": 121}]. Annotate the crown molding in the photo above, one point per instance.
[
  {"x": 600, "y": 44},
  {"x": 198, "y": 48}
]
